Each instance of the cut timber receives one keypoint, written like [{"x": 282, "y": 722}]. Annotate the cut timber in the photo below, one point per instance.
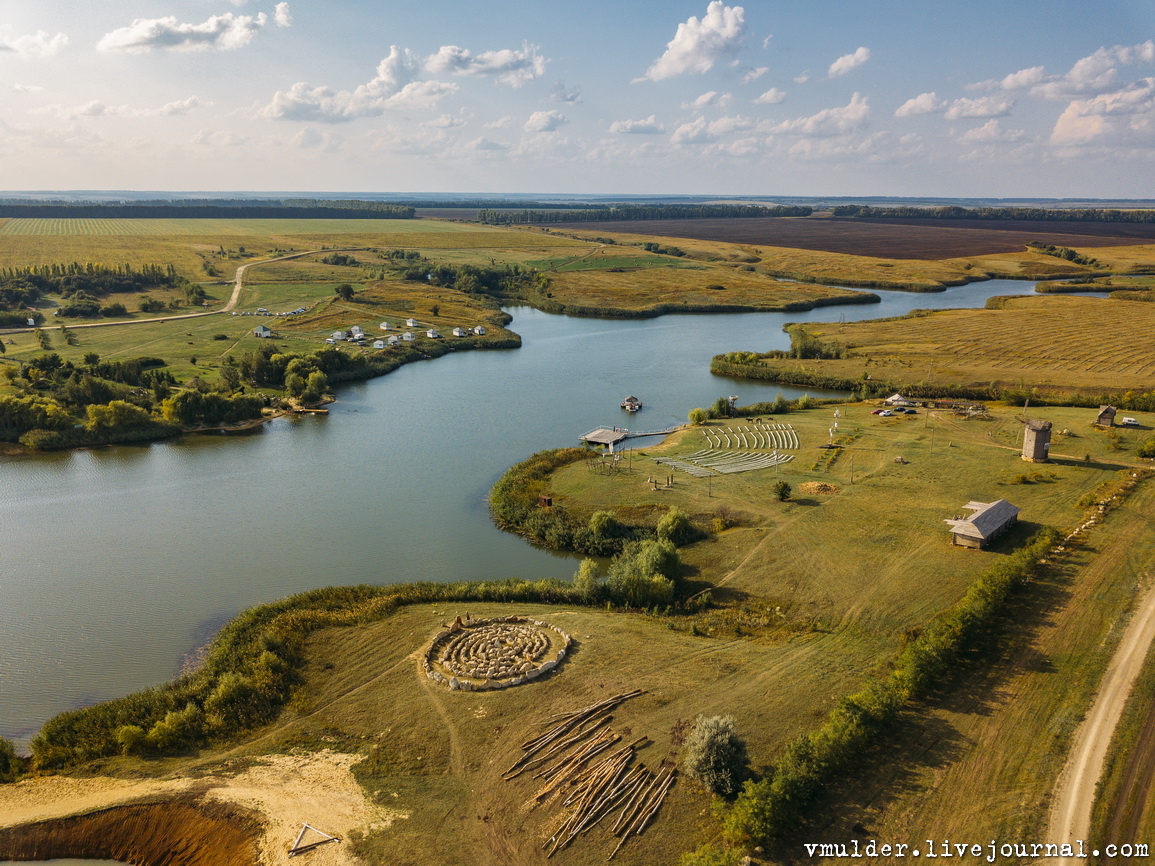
[{"x": 299, "y": 848}]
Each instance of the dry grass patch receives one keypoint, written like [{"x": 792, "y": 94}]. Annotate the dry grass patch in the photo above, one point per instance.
[{"x": 1059, "y": 343}]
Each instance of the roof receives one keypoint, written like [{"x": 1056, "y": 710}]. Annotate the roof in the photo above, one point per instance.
[
  {"x": 605, "y": 436},
  {"x": 988, "y": 519},
  {"x": 1038, "y": 425}
]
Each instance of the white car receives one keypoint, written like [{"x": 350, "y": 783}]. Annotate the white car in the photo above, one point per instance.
[{"x": 1128, "y": 422}]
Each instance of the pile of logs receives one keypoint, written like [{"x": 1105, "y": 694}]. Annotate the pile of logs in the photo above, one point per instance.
[{"x": 590, "y": 784}]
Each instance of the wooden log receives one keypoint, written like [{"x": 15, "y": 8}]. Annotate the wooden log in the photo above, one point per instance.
[
  {"x": 647, "y": 812},
  {"x": 559, "y": 746},
  {"x": 631, "y": 810},
  {"x": 577, "y": 760}
]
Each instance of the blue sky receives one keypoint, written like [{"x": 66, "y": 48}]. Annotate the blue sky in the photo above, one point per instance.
[{"x": 949, "y": 98}]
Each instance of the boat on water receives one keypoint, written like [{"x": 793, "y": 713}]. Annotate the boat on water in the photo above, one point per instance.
[{"x": 631, "y": 404}]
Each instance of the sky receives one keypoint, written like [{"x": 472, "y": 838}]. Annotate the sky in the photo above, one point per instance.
[{"x": 971, "y": 98}]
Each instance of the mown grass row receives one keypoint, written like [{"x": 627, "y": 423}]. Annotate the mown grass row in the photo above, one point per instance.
[{"x": 771, "y": 807}]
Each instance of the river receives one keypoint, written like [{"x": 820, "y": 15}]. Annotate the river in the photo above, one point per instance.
[{"x": 116, "y": 562}]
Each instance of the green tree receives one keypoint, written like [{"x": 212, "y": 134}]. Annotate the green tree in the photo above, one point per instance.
[
  {"x": 698, "y": 416},
  {"x": 116, "y": 415},
  {"x": 131, "y": 739},
  {"x": 604, "y": 524},
  {"x": 715, "y": 755},
  {"x": 315, "y": 387},
  {"x": 675, "y": 527},
  {"x": 91, "y": 359},
  {"x": 644, "y": 574},
  {"x": 10, "y": 763},
  {"x": 588, "y": 581},
  {"x": 435, "y": 309},
  {"x": 782, "y": 491},
  {"x": 344, "y": 292}
]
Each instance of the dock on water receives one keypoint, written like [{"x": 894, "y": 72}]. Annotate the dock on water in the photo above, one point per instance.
[
  {"x": 611, "y": 436},
  {"x": 608, "y": 436}
]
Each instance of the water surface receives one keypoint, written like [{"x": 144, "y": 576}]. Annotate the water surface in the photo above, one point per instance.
[{"x": 116, "y": 562}]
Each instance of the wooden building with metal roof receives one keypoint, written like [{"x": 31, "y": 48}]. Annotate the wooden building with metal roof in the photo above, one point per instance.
[{"x": 989, "y": 521}]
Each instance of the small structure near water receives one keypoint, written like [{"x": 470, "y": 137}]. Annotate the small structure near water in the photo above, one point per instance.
[{"x": 989, "y": 521}]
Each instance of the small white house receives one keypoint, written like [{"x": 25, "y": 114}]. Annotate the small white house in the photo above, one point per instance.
[
  {"x": 411, "y": 323},
  {"x": 392, "y": 340},
  {"x": 385, "y": 326},
  {"x": 407, "y": 336},
  {"x": 357, "y": 331},
  {"x": 262, "y": 331},
  {"x": 479, "y": 330},
  {"x": 339, "y": 335},
  {"x": 432, "y": 334},
  {"x": 459, "y": 332},
  {"x": 378, "y": 344}
]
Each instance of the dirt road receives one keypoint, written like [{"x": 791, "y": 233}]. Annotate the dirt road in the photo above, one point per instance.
[{"x": 1075, "y": 795}]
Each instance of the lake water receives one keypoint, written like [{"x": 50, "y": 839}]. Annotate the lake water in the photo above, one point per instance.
[{"x": 116, "y": 562}]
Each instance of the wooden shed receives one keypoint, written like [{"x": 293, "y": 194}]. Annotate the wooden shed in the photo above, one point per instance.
[
  {"x": 1106, "y": 417},
  {"x": 1037, "y": 441},
  {"x": 989, "y": 521}
]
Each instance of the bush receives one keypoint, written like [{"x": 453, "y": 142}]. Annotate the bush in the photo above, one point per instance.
[
  {"x": 644, "y": 574},
  {"x": 675, "y": 527},
  {"x": 782, "y": 491},
  {"x": 698, "y": 417},
  {"x": 10, "y": 763},
  {"x": 715, "y": 755},
  {"x": 132, "y": 739},
  {"x": 712, "y": 855},
  {"x": 112, "y": 310},
  {"x": 604, "y": 524}
]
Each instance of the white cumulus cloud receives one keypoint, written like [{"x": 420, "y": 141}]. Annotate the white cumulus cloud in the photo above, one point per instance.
[
  {"x": 649, "y": 126},
  {"x": 710, "y": 97},
  {"x": 393, "y": 87},
  {"x": 829, "y": 121},
  {"x": 38, "y": 44},
  {"x": 924, "y": 103},
  {"x": 183, "y": 106},
  {"x": 545, "y": 121},
  {"x": 509, "y": 66},
  {"x": 699, "y": 44},
  {"x": 849, "y": 62},
  {"x": 282, "y": 16},
  {"x": 220, "y": 32},
  {"x": 1126, "y": 116},
  {"x": 754, "y": 74},
  {"x": 983, "y": 106},
  {"x": 773, "y": 96}
]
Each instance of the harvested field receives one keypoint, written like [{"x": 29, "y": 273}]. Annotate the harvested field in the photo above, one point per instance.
[
  {"x": 900, "y": 239},
  {"x": 1055, "y": 342}
]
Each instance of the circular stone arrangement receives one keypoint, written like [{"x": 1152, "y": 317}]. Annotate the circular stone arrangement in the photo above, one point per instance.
[{"x": 482, "y": 654}]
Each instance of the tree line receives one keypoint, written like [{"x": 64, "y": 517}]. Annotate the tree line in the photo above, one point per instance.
[
  {"x": 954, "y": 212},
  {"x": 308, "y": 209},
  {"x": 640, "y": 212}
]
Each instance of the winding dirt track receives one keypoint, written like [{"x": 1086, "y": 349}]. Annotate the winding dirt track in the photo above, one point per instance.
[{"x": 1075, "y": 795}]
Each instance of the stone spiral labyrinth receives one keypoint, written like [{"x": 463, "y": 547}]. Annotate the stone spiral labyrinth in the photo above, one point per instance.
[{"x": 494, "y": 653}]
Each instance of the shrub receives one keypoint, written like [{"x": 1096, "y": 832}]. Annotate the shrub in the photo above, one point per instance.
[
  {"x": 644, "y": 574},
  {"x": 131, "y": 739},
  {"x": 675, "y": 527},
  {"x": 715, "y": 755},
  {"x": 111, "y": 310},
  {"x": 711, "y": 854},
  {"x": 10, "y": 763},
  {"x": 698, "y": 417},
  {"x": 604, "y": 524},
  {"x": 782, "y": 491}
]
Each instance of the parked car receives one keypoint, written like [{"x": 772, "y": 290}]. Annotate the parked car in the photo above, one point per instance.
[
  {"x": 1128, "y": 422},
  {"x": 877, "y": 411},
  {"x": 910, "y": 411},
  {"x": 886, "y": 413}
]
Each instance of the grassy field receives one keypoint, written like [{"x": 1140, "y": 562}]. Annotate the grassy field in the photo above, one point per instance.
[
  {"x": 1052, "y": 342},
  {"x": 210, "y": 338}
]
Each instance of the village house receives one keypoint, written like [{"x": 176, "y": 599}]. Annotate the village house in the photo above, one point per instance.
[
  {"x": 378, "y": 344},
  {"x": 1106, "y": 417},
  {"x": 459, "y": 332},
  {"x": 411, "y": 323},
  {"x": 479, "y": 330},
  {"x": 989, "y": 521},
  {"x": 262, "y": 331},
  {"x": 432, "y": 334},
  {"x": 407, "y": 336}
]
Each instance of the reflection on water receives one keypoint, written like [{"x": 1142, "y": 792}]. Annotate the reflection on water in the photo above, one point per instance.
[{"x": 116, "y": 562}]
